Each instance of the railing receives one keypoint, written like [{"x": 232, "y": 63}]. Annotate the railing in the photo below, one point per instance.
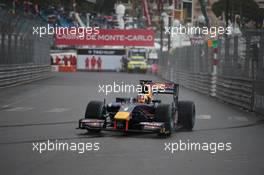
[
  {"x": 233, "y": 72},
  {"x": 24, "y": 57},
  {"x": 12, "y": 75},
  {"x": 237, "y": 91}
]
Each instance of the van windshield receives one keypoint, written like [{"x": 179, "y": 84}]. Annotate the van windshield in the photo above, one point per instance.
[{"x": 137, "y": 59}]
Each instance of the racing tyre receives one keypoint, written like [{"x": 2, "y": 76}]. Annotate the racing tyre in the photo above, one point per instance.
[
  {"x": 163, "y": 113},
  {"x": 186, "y": 112},
  {"x": 94, "y": 110}
]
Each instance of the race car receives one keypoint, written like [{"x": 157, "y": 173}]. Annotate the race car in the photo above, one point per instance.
[
  {"x": 144, "y": 113},
  {"x": 137, "y": 64}
]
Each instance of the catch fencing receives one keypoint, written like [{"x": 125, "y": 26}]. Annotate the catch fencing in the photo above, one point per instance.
[
  {"x": 23, "y": 56},
  {"x": 232, "y": 72}
]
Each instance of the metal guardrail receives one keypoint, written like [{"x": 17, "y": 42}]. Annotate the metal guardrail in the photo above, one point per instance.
[
  {"x": 198, "y": 82},
  {"x": 24, "y": 57},
  {"x": 233, "y": 71},
  {"x": 12, "y": 75},
  {"x": 237, "y": 91}
]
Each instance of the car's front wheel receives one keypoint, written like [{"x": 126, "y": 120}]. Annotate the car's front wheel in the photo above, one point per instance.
[{"x": 94, "y": 110}]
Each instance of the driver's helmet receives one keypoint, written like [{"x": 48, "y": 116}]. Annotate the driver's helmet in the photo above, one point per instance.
[{"x": 141, "y": 98}]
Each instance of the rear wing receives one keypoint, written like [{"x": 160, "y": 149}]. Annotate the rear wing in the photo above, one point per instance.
[
  {"x": 143, "y": 82},
  {"x": 165, "y": 88},
  {"x": 123, "y": 100},
  {"x": 162, "y": 88}
]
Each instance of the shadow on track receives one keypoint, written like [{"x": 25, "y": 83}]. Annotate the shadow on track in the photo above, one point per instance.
[{"x": 113, "y": 134}]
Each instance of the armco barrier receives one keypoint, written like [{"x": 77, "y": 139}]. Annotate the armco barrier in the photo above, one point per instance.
[
  {"x": 259, "y": 96},
  {"x": 236, "y": 91},
  {"x": 199, "y": 82},
  {"x": 195, "y": 81},
  {"x": 232, "y": 71},
  {"x": 12, "y": 75}
]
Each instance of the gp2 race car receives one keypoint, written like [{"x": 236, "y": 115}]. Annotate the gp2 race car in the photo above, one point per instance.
[{"x": 144, "y": 113}]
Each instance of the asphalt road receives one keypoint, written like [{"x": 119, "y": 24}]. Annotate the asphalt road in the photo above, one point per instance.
[{"x": 49, "y": 110}]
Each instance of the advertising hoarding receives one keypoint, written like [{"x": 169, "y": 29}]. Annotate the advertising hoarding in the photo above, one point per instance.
[
  {"x": 111, "y": 37},
  {"x": 100, "y": 59}
]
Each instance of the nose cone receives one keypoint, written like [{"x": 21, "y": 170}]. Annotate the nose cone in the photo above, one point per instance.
[{"x": 122, "y": 116}]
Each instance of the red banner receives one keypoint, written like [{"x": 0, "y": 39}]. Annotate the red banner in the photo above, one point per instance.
[{"x": 116, "y": 37}]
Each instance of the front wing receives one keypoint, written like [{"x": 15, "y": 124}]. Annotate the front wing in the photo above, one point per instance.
[{"x": 91, "y": 124}]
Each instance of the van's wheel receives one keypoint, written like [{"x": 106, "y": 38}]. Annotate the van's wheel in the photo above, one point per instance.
[
  {"x": 163, "y": 113},
  {"x": 94, "y": 110},
  {"x": 186, "y": 112}
]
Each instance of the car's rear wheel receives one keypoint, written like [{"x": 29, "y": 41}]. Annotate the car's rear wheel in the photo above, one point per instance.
[
  {"x": 186, "y": 112},
  {"x": 94, "y": 110},
  {"x": 163, "y": 113}
]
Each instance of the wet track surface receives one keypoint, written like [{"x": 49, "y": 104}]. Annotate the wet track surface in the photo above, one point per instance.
[{"x": 50, "y": 109}]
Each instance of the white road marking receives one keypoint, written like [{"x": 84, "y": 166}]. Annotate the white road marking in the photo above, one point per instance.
[
  {"x": 203, "y": 117},
  {"x": 19, "y": 109},
  {"x": 239, "y": 118},
  {"x": 58, "y": 110},
  {"x": 5, "y": 106},
  {"x": 237, "y": 157},
  {"x": 19, "y": 100}
]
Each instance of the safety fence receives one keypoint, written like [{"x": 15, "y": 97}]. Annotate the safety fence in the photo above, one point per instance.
[
  {"x": 23, "y": 56},
  {"x": 232, "y": 72},
  {"x": 18, "y": 74},
  {"x": 237, "y": 91}
]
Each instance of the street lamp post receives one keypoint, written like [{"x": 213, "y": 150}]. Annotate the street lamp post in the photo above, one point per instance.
[
  {"x": 169, "y": 35},
  {"x": 161, "y": 25},
  {"x": 226, "y": 12}
]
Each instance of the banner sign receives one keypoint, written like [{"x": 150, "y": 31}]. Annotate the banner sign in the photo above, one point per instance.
[
  {"x": 111, "y": 37},
  {"x": 101, "y": 52},
  {"x": 100, "y": 59}
]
